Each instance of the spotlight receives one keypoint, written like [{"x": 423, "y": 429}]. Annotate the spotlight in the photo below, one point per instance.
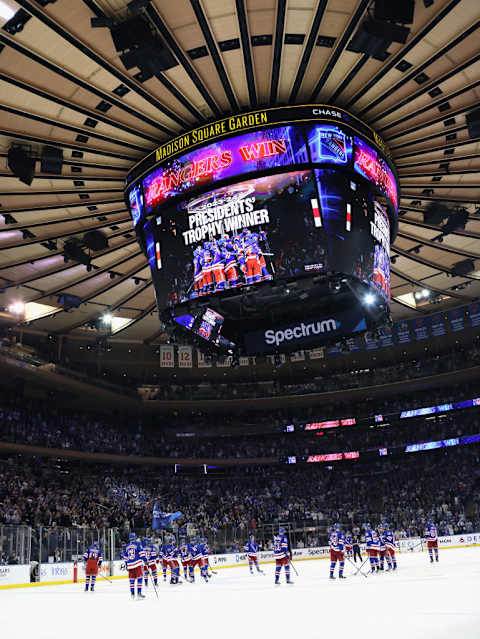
[
  {"x": 107, "y": 318},
  {"x": 17, "y": 22},
  {"x": 6, "y": 12},
  {"x": 369, "y": 299},
  {"x": 17, "y": 308}
]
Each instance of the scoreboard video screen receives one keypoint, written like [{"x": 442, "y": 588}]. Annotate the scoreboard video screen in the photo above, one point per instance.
[{"x": 219, "y": 213}]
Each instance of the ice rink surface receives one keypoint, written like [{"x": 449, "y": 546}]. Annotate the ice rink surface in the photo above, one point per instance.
[{"x": 419, "y": 600}]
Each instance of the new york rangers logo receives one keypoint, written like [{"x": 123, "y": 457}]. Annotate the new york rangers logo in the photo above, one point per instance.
[{"x": 333, "y": 146}]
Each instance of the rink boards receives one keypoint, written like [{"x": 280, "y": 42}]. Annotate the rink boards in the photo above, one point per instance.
[{"x": 63, "y": 573}]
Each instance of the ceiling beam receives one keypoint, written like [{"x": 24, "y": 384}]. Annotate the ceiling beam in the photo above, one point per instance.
[
  {"x": 158, "y": 21},
  {"x": 281, "y": 10},
  {"x": 214, "y": 52},
  {"x": 307, "y": 51},
  {"x": 243, "y": 27},
  {"x": 339, "y": 49}
]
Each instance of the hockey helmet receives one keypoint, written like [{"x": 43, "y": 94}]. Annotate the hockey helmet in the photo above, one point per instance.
[{"x": 132, "y": 536}]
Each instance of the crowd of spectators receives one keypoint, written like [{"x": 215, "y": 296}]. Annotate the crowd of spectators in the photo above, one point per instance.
[
  {"x": 41, "y": 422},
  {"x": 405, "y": 492}
]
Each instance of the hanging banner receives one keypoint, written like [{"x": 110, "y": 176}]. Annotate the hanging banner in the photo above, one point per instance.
[
  {"x": 457, "y": 321},
  {"x": 354, "y": 345},
  {"x": 403, "y": 333},
  {"x": 185, "y": 357},
  {"x": 317, "y": 353},
  {"x": 437, "y": 325},
  {"x": 202, "y": 363},
  {"x": 298, "y": 356},
  {"x": 277, "y": 360},
  {"x": 167, "y": 358},
  {"x": 371, "y": 342},
  {"x": 420, "y": 328},
  {"x": 386, "y": 336},
  {"x": 244, "y": 361},
  {"x": 474, "y": 314}
]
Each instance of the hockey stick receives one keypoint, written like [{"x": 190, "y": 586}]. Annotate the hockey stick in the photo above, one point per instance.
[
  {"x": 360, "y": 569},
  {"x": 291, "y": 564},
  {"x": 357, "y": 569},
  {"x": 153, "y": 582},
  {"x": 106, "y": 578}
]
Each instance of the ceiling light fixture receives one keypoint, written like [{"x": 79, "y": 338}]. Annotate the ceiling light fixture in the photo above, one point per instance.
[
  {"x": 6, "y": 11},
  {"x": 17, "y": 308}
]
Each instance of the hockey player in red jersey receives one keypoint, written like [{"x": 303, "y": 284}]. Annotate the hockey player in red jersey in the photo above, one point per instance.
[
  {"x": 152, "y": 560},
  {"x": 93, "y": 560},
  {"x": 281, "y": 554},
  {"x": 381, "y": 548},
  {"x": 389, "y": 540},
  {"x": 336, "y": 542},
  {"x": 431, "y": 536},
  {"x": 135, "y": 560},
  {"x": 217, "y": 265}
]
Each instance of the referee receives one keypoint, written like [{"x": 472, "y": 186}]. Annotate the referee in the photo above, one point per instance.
[{"x": 356, "y": 549}]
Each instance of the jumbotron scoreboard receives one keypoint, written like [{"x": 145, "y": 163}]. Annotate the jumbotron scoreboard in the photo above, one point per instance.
[{"x": 269, "y": 231}]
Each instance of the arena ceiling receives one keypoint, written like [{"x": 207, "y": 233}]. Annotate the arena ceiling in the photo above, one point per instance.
[{"x": 62, "y": 83}]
